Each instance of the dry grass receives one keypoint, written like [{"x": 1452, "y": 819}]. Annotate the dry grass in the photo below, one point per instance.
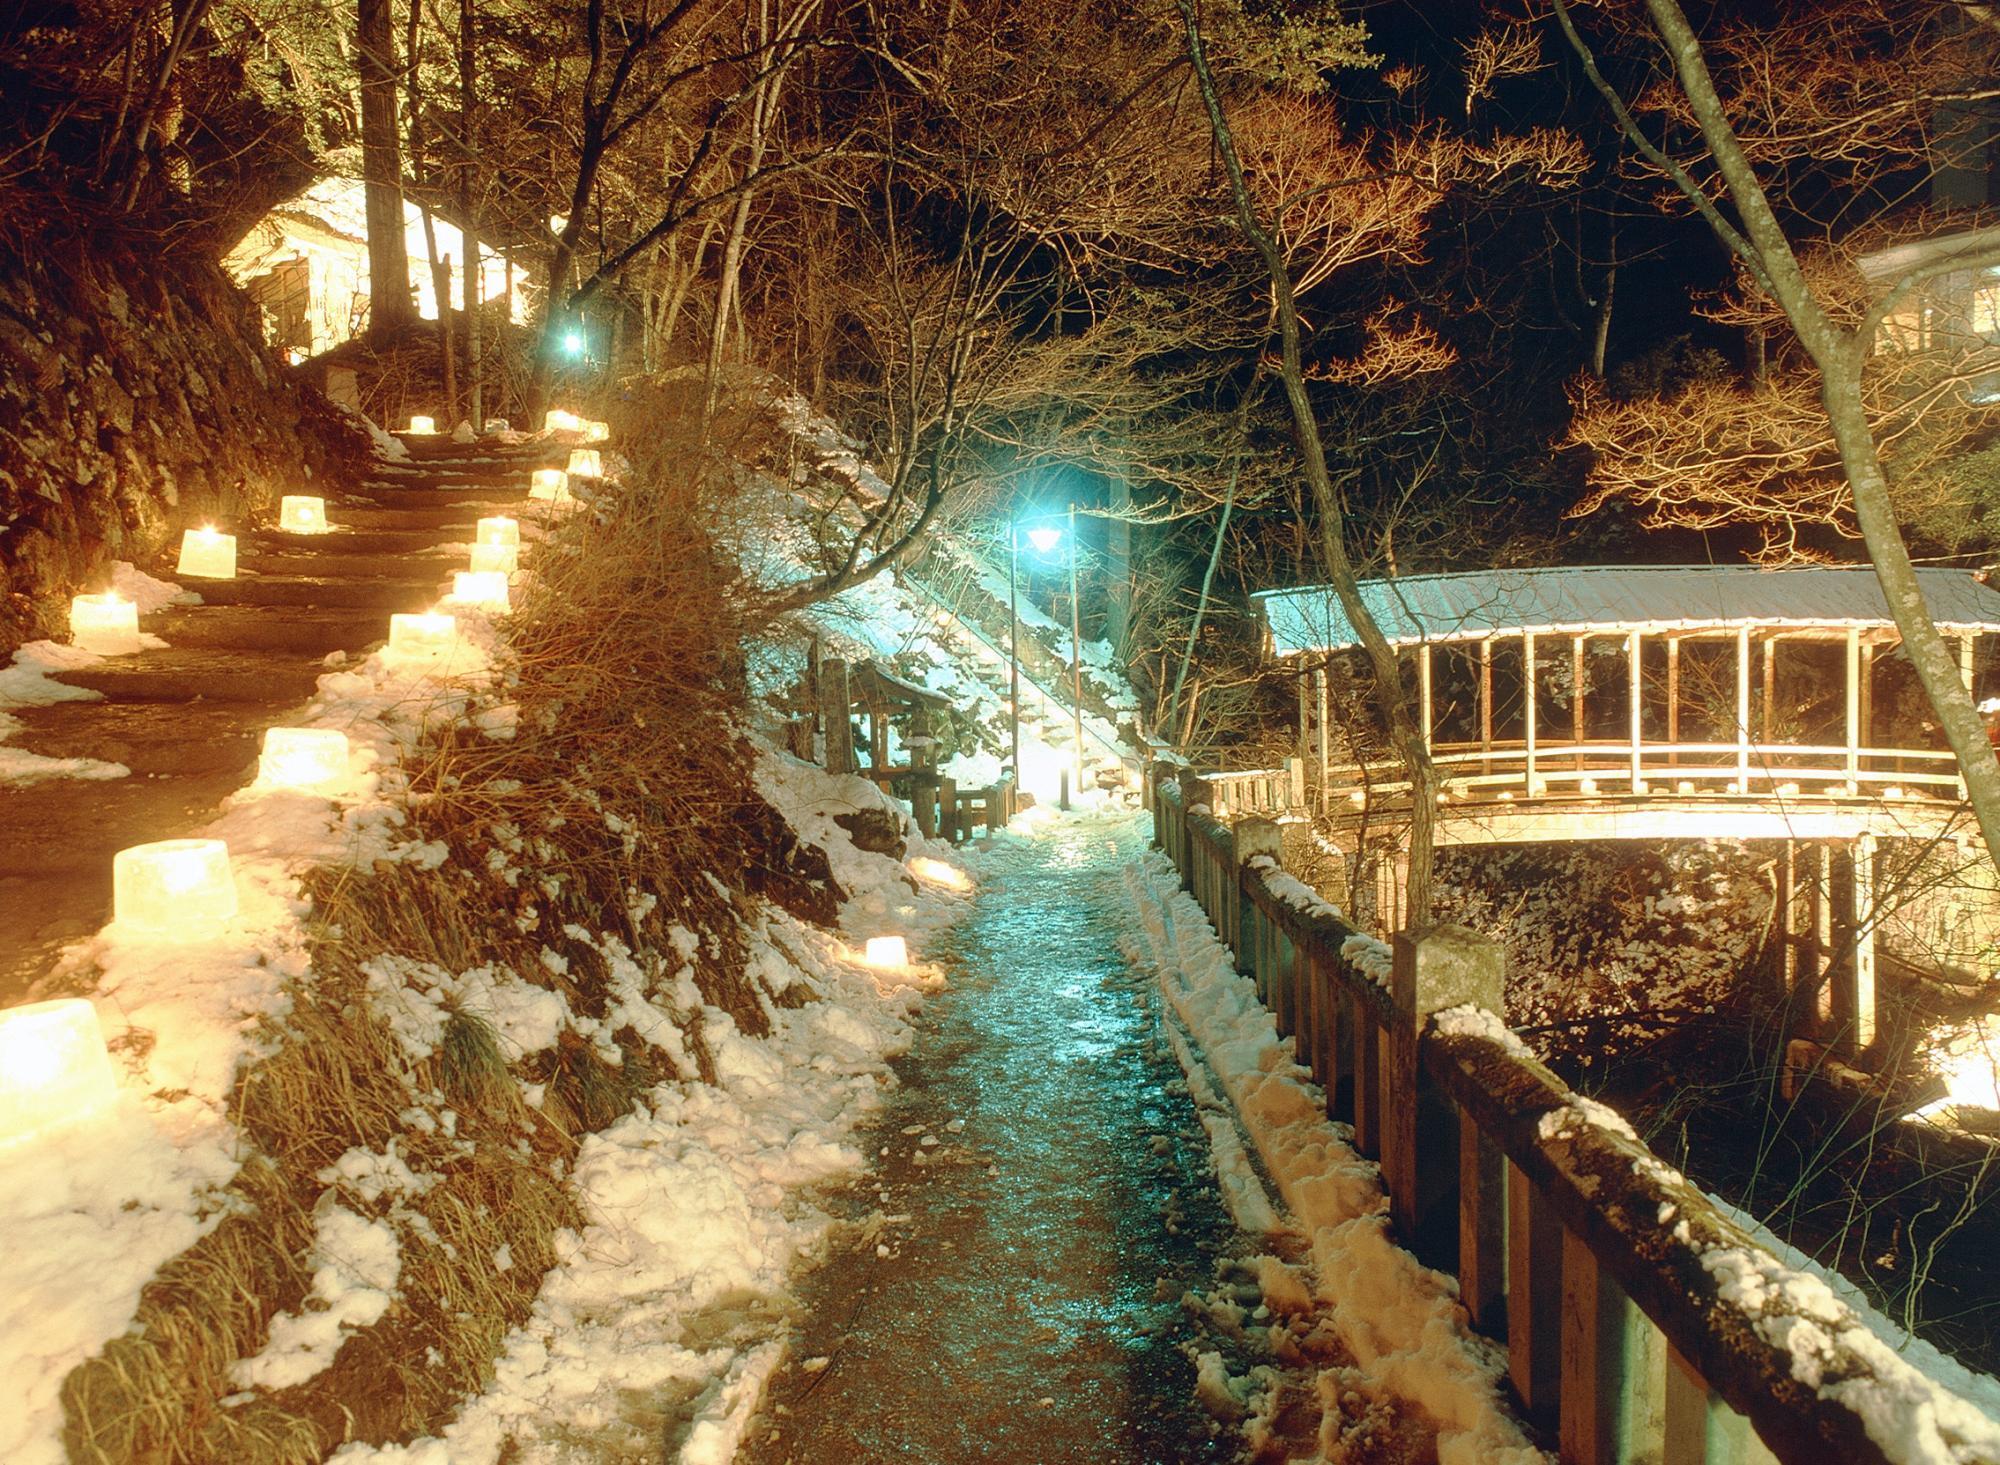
[{"x": 627, "y": 792}]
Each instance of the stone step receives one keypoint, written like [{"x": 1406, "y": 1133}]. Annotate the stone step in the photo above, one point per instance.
[
  {"x": 429, "y": 479},
  {"x": 425, "y": 499},
  {"x": 340, "y": 544},
  {"x": 373, "y": 518},
  {"x": 431, "y": 565},
  {"x": 182, "y": 674},
  {"x": 415, "y": 591},
  {"x": 153, "y": 739},
  {"x": 308, "y": 632}
]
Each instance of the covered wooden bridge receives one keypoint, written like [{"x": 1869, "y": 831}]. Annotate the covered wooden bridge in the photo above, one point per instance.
[
  {"x": 1655, "y": 702},
  {"x": 1764, "y": 695}
]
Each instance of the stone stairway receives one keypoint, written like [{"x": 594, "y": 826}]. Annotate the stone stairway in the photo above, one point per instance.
[{"x": 188, "y": 720}]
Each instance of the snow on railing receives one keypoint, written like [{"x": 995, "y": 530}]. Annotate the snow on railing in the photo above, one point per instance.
[{"x": 1640, "y": 1321}]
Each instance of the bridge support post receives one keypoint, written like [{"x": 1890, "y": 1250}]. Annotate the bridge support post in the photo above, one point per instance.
[
  {"x": 1849, "y": 1003},
  {"x": 1432, "y": 969},
  {"x": 836, "y": 708}
]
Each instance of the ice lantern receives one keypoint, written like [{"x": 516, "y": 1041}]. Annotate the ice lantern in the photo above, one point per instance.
[
  {"x": 54, "y": 1070},
  {"x": 423, "y": 635},
  {"x": 557, "y": 420},
  {"x": 495, "y": 559},
  {"x": 481, "y": 589},
  {"x": 176, "y": 887},
  {"x": 585, "y": 463},
  {"x": 208, "y": 553},
  {"x": 107, "y": 624},
  {"x": 887, "y": 951},
  {"x": 302, "y": 757},
  {"x": 500, "y": 531},
  {"x": 422, "y": 426},
  {"x": 302, "y": 514},
  {"x": 596, "y": 432},
  {"x": 550, "y": 485}
]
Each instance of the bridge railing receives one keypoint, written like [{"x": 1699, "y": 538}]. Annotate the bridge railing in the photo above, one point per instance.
[
  {"x": 1640, "y": 1323},
  {"x": 1502, "y": 770}
]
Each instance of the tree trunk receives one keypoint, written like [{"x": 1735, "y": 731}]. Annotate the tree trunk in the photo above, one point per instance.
[
  {"x": 468, "y": 97},
  {"x": 1389, "y": 687},
  {"x": 389, "y": 305}
]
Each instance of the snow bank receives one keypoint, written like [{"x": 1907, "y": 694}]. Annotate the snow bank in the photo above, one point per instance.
[{"x": 1402, "y": 1322}]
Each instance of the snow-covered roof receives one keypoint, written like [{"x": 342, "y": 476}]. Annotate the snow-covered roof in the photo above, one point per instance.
[{"x": 1570, "y": 599}]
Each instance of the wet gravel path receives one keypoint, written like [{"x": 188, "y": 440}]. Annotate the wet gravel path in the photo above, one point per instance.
[{"x": 1011, "y": 1290}]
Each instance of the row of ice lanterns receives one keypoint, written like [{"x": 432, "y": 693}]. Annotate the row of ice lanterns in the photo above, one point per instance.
[
  {"x": 554, "y": 420},
  {"x": 54, "y": 1068},
  {"x": 108, "y": 623}
]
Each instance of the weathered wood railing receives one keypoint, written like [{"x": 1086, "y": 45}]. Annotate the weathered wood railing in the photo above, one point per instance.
[{"x": 1617, "y": 1286}]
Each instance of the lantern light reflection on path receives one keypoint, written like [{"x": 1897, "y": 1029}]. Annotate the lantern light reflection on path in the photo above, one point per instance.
[
  {"x": 427, "y": 635},
  {"x": 175, "y": 887}
]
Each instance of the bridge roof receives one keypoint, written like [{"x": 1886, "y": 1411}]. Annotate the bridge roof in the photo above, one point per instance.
[{"x": 1572, "y": 599}]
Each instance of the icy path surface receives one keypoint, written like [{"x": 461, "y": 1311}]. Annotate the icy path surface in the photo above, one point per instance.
[{"x": 1012, "y": 1290}]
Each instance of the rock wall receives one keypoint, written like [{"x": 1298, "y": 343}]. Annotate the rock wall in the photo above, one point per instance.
[{"x": 136, "y": 399}]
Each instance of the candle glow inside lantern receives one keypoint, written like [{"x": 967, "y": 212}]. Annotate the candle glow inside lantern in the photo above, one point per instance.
[
  {"x": 208, "y": 553},
  {"x": 429, "y": 635},
  {"x": 107, "y": 624},
  {"x": 302, "y": 757},
  {"x": 175, "y": 887},
  {"x": 495, "y": 559},
  {"x": 548, "y": 483},
  {"x": 423, "y": 426},
  {"x": 596, "y": 432},
  {"x": 482, "y": 589},
  {"x": 54, "y": 1070},
  {"x": 302, "y": 514},
  {"x": 585, "y": 463},
  {"x": 886, "y": 951},
  {"x": 501, "y": 530},
  {"x": 557, "y": 420}
]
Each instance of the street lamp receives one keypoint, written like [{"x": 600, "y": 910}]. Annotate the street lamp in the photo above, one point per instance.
[{"x": 1045, "y": 539}]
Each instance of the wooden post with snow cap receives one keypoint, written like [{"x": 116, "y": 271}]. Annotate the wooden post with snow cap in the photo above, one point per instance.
[
  {"x": 836, "y": 705},
  {"x": 1253, "y": 837},
  {"x": 1433, "y": 969},
  {"x": 1614, "y": 1367}
]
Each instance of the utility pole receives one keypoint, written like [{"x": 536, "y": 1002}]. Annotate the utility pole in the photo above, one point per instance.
[{"x": 1076, "y": 649}]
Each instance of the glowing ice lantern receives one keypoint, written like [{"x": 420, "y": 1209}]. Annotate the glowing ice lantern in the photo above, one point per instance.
[
  {"x": 302, "y": 514},
  {"x": 550, "y": 486},
  {"x": 495, "y": 559},
  {"x": 482, "y": 589},
  {"x": 208, "y": 554},
  {"x": 585, "y": 463},
  {"x": 302, "y": 757},
  {"x": 500, "y": 531},
  {"x": 177, "y": 887},
  {"x": 557, "y": 420},
  {"x": 431, "y": 634},
  {"x": 886, "y": 951},
  {"x": 596, "y": 432},
  {"x": 107, "y": 624},
  {"x": 423, "y": 426},
  {"x": 54, "y": 1070}
]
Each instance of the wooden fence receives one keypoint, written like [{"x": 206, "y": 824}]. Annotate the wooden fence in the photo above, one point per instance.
[{"x": 1602, "y": 1269}]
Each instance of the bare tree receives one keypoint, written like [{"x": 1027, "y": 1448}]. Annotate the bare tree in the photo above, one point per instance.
[
  {"x": 1839, "y": 349},
  {"x": 389, "y": 306}
]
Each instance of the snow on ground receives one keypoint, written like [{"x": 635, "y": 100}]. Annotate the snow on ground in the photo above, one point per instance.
[
  {"x": 113, "y": 1198},
  {"x": 26, "y": 683},
  {"x": 1401, "y": 1322},
  {"x": 693, "y": 1202}
]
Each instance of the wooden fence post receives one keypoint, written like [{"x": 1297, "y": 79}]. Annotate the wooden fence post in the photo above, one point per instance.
[
  {"x": 1534, "y": 1298},
  {"x": 836, "y": 704},
  {"x": 1613, "y": 1407},
  {"x": 1253, "y": 837},
  {"x": 1443, "y": 966}
]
